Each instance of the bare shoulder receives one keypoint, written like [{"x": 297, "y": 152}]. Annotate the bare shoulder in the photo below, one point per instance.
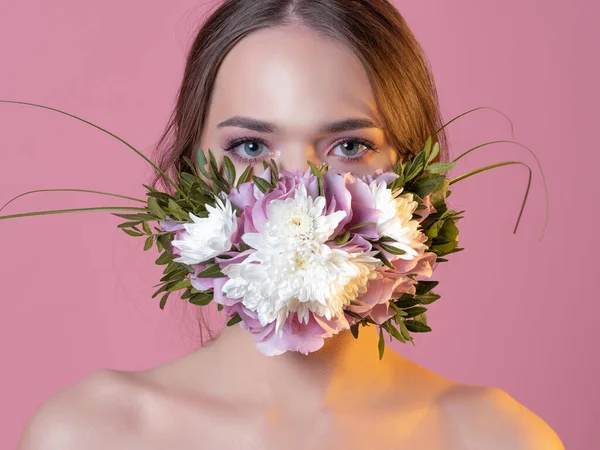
[
  {"x": 488, "y": 417},
  {"x": 90, "y": 413}
]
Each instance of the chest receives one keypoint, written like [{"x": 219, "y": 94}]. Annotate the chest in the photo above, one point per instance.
[{"x": 223, "y": 429}]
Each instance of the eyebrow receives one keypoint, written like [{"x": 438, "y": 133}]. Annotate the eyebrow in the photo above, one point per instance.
[{"x": 260, "y": 126}]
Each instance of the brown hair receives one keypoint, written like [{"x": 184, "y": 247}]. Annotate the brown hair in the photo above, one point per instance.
[{"x": 374, "y": 30}]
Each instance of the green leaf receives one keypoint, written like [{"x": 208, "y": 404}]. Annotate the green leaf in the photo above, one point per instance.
[
  {"x": 427, "y": 298},
  {"x": 317, "y": 173},
  {"x": 393, "y": 331},
  {"x": 432, "y": 230},
  {"x": 234, "y": 319},
  {"x": 314, "y": 169},
  {"x": 187, "y": 178},
  {"x": 201, "y": 299},
  {"x": 398, "y": 182},
  {"x": 174, "y": 206},
  {"x": 421, "y": 318},
  {"x": 274, "y": 177},
  {"x": 434, "y": 152},
  {"x": 261, "y": 183},
  {"x": 136, "y": 217},
  {"x": 428, "y": 184},
  {"x": 384, "y": 260},
  {"x": 219, "y": 307},
  {"x": 132, "y": 232},
  {"x": 449, "y": 231},
  {"x": 343, "y": 238},
  {"x": 163, "y": 242},
  {"x": 360, "y": 225},
  {"x": 172, "y": 266},
  {"x": 404, "y": 331},
  {"x": 161, "y": 289},
  {"x": 445, "y": 248},
  {"x": 439, "y": 194},
  {"x": 425, "y": 286},
  {"x": 191, "y": 165},
  {"x": 395, "y": 308},
  {"x": 427, "y": 146},
  {"x": 353, "y": 314},
  {"x": 275, "y": 170},
  {"x": 187, "y": 294},
  {"x": 201, "y": 157},
  {"x": 182, "y": 284},
  {"x": 128, "y": 224},
  {"x": 164, "y": 258},
  {"x": 416, "y": 167},
  {"x": 440, "y": 167},
  {"x": 229, "y": 170},
  {"x": 406, "y": 303},
  {"x": 148, "y": 243},
  {"x": 213, "y": 271},
  {"x": 244, "y": 176},
  {"x": 146, "y": 228},
  {"x": 400, "y": 167},
  {"x": 214, "y": 169},
  {"x": 381, "y": 343},
  {"x": 155, "y": 208},
  {"x": 199, "y": 197},
  {"x": 163, "y": 300},
  {"x": 173, "y": 275},
  {"x": 415, "y": 311},
  {"x": 416, "y": 326},
  {"x": 391, "y": 249},
  {"x": 159, "y": 195}
]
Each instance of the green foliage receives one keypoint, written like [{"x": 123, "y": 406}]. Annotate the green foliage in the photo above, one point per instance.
[
  {"x": 194, "y": 192},
  {"x": 381, "y": 343},
  {"x": 234, "y": 319},
  {"x": 421, "y": 178}
]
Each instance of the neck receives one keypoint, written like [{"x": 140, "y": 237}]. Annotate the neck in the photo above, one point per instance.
[{"x": 342, "y": 366}]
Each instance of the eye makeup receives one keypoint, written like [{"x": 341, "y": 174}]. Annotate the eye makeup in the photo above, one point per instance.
[
  {"x": 236, "y": 142},
  {"x": 232, "y": 144}
]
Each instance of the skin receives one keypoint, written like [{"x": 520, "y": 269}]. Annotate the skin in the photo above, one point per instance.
[{"x": 227, "y": 395}]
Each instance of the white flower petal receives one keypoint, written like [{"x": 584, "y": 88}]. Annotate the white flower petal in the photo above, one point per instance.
[
  {"x": 396, "y": 219},
  {"x": 293, "y": 270},
  {"x": 207, "y": 237}
]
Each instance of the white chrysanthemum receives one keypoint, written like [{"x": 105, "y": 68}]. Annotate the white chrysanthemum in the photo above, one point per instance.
[
  {"x": 293, "y": 270},
  {"x": 207, "y": 237},
  {"x": 395, "y": 219}
]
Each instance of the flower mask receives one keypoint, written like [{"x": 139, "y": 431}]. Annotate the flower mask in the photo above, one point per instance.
[{"x": 294, "y": 257}]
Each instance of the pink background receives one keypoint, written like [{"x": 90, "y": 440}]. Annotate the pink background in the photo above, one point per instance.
[{"x": 515, "y": 312}]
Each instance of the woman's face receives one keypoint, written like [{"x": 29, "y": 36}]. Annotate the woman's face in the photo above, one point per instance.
[{"x": 289, "y": 94}]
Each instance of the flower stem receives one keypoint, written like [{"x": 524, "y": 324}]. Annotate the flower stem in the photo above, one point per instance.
[
  {"x": 536, "y": 160},
  {"x": 164, "y": 175},
  {"x": 71, "y": 190},
  {"x": 512, "y": 134},
  {"x": 61, "y": 211},
  {"x": 506, "y": 163}
]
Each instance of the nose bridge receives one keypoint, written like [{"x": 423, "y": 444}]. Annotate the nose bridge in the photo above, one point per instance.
[{"x": 294, "y": 157}]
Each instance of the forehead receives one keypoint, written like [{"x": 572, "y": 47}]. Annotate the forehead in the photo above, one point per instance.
[{"x": 294, "y": 77}]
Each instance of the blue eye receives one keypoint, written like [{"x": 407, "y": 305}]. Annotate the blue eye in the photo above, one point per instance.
[
  {"x": 248, "y": 150},
  {"x": 350, "y": 149}
]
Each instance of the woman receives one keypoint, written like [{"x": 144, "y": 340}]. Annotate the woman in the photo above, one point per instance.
[{"x": 336, "y": 81}]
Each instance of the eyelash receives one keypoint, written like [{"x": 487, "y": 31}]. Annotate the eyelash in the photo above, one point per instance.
[{"x": 371, "y": 147}]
